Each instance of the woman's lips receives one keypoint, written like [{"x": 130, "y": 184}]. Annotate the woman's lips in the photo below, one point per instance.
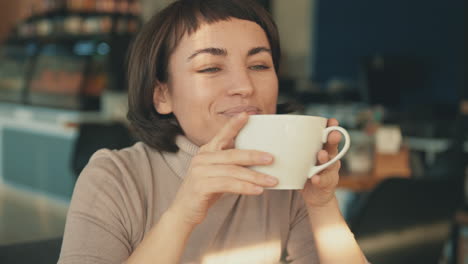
[{"x": 251, "y": 110}]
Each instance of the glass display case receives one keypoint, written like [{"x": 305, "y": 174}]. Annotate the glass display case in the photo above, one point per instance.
[
  {"x": 15, "y": 66},
  {"x": 68, "y": 52}
]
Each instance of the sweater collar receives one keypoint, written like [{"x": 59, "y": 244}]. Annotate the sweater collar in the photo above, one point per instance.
[{"x": 180, "y": 161}]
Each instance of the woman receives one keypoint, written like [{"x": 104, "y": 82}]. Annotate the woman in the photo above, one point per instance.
[{"x": 184, "y": 194}]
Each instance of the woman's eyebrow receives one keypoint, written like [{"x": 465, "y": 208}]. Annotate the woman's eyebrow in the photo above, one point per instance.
[
  {"x": 212, "y": 51},
  {"x": 257, "y": 50}
]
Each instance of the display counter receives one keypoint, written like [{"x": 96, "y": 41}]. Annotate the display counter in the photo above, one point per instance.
[{"x": 36, "y": 145}]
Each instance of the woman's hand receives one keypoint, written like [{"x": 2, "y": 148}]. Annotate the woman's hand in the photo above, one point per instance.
[
  {"x": 320, "y": 189},
  {"x": 218, "y": 168}
]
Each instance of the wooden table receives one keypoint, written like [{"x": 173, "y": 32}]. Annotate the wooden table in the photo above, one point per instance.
[
  {"x": 385, "y": 166},
  {"x": 358, "y": 182}
]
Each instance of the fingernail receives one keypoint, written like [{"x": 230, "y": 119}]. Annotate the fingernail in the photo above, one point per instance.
[
  {"x": 267, "y": 158},
  {"x": 258, "y": 189},
  {"x": 271, "y": 180},
  {"x": 241, "y": 115}
]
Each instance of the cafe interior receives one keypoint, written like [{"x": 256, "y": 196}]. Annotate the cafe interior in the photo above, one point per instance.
[{"x": 391, "y": 72}]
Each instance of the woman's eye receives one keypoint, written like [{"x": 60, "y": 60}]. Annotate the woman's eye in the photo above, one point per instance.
[
  {"x": 210, "y": 70},
  {"x": 259, "y": 67}
]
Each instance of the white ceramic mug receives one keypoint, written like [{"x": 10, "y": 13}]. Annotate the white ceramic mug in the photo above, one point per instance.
[{"x": 294, "y": 141}]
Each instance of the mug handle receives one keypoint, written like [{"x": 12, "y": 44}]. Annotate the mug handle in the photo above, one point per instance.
[{"x": 316, "y": 169}]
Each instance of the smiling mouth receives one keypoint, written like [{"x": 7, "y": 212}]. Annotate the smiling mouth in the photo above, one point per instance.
[{"x": 251, "y": 110}]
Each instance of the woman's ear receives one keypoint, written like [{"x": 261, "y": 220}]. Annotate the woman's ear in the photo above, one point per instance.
[{"x": 162, "y": 99}]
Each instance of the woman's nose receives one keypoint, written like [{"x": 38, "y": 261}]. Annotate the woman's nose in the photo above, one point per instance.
[{"x": 242, "y": 84}]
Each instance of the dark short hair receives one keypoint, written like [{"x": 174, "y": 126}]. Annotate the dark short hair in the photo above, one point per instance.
[{"x": 154, "y": 44}]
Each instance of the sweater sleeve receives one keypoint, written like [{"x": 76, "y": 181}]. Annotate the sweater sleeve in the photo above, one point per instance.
[{"x": 99, "y": 227}]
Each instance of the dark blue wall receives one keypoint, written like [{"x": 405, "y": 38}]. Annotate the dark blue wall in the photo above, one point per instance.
[{"x": 348, "y": 30}]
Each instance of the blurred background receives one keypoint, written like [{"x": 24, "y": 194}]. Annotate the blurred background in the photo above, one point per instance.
[{"x": 392, "y": 72}]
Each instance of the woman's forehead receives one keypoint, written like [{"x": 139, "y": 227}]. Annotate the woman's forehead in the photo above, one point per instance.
[{"x": 232, "y": 34}]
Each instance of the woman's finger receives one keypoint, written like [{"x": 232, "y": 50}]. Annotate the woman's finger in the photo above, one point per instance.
[
  {"x": 332, "y": 122},
  {"x": 231, "y": 185},
  {"x": 235, "y": 157},
  {"x": 225, "y": 137},
  {"x": 333, "y": 139},
  {"x": 325, "y": 178},
  {"x": 328, "y": 177},
  {"x": 322, "y": 157},
  {"x": 331, "y": 146},
  {"x": 240, "y": 173}
]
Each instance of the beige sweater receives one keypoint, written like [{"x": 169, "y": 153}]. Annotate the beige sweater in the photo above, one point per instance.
[{"x": 120, "y": 195}]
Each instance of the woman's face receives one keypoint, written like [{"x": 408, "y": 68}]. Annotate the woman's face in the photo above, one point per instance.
[{"x": 217, "y": 72}]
